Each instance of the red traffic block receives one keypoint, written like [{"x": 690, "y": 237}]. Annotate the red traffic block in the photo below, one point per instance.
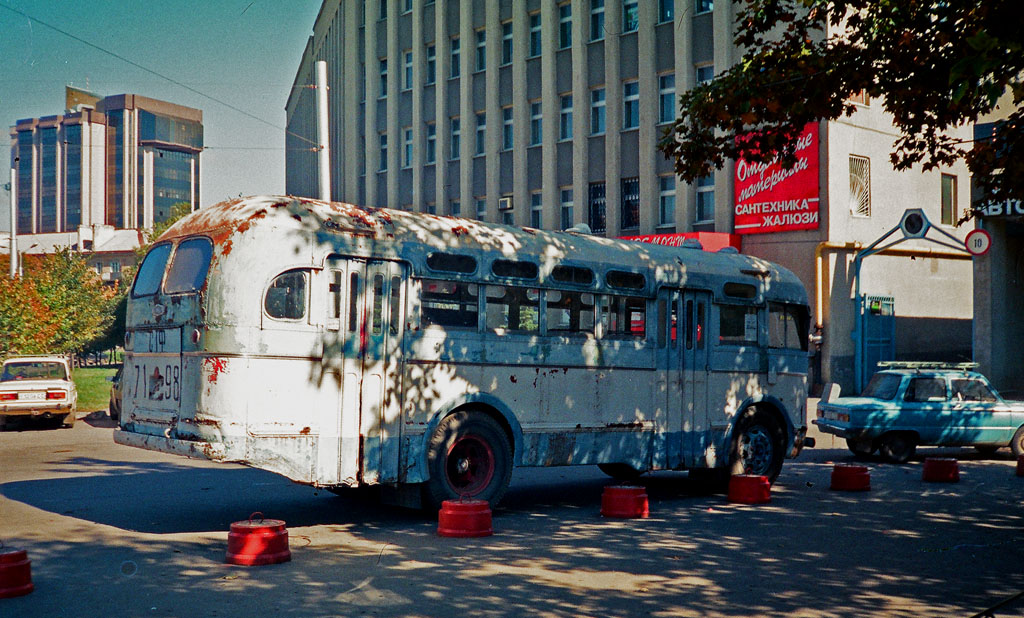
[
  {"x": 749, "y": 489},
  {"x": 624, "y": 501},
  {"x": 850, "y": 477},
  {"x": 1020, "y": 466},
  {"x": 15, "y": 573},
  {"x": 464, "y": 519},
  {"x": 940, "y": 470},
  {"x": 258, "y": 541}
]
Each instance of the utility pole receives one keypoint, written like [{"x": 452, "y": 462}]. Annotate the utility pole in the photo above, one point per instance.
[{"x": 323, "y": 147}]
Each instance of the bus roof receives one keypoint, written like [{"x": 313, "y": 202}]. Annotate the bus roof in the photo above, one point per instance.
[{"x": 344, "y": 229}]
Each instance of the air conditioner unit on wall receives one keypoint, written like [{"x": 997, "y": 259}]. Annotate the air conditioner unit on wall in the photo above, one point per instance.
[{"x": 505, "y": 203}]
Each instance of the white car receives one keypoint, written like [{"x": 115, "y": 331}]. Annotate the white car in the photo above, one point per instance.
[{"x": 37, "y": 387}]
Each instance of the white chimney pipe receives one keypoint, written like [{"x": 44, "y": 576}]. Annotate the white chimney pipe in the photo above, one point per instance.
[{"x": 322, "y": 131}]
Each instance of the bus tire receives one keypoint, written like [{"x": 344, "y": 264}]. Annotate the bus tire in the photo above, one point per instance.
[
  {"x": 620, "y": 471},
  {"x": 757, "y": 445},
  {"x": 469, "y": 456}
]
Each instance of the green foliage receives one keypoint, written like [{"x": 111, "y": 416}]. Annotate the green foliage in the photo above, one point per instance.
[
  {"x": 934, "y": 64},
  {"x": 57, "y": 307}
]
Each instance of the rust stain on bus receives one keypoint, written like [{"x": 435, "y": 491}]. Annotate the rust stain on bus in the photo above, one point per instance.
[{"x": 216, "y": 366}]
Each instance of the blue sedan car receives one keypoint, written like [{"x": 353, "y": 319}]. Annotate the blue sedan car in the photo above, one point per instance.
[{"x": 929, "y": 404}]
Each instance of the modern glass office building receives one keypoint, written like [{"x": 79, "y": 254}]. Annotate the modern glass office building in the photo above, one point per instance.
[{"x": 121, "y": 163}]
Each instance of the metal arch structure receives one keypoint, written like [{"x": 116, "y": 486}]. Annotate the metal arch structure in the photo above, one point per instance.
[{"x": 913, "y": 225}]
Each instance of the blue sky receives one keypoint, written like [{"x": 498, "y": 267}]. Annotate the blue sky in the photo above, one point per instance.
[{"x": 244, "y": 52}]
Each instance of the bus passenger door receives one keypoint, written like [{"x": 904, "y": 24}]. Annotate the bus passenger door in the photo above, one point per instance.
[
  {"x": 696, "y": 365},
  {"x": 381, "y": 327},
  {"x": 365, "y": 321}
]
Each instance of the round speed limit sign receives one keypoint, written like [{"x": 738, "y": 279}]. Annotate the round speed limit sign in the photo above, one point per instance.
[{"x": 978, "y": 242}]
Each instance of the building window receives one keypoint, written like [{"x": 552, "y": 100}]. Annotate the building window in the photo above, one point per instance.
[
  {"x": 705, "y": 73},
  {"x": 506, "y": 43},
  {"x": 566, "y": 209},
  {"x": 407, "y": 6},
  {"x": 407, "y": 151},
  {"x": 948, "y": 199},
  {"x": 596, "y": 208},
  {"x": 481, "y": 209},
  {"x": 383, "y": 14},
  {"x": 506, "y": 217},
  {"x": 536, "y": 123},
  {"x": 630, "y": 206},
  {"x": 456, "y": 66},
  {"x": 630, "y": 16},
  {"x": 565, "y": 26},
  {"x": 383, "y": 153},
  {"x": 536, "y": 210},
  {"x": 431, "y": 208},
  {"x": 860, "y": 186},
  {"x": 596, "y": 20},
  {"x": 860, "y": 98},
  {"x": 704, "y": 6},
  {"x": 665, "y": 10},
  {"x": 597, "y": 111},
  {"x": 454, "y": 208},
  {"x": 383, "y": 77},
  {"x": 667, "y": 97},
  {"x": 565, "y": 118},
  {"x": 535, "y": 35},
  {"x": 407, "y": 75},
  {"x": 481, "y": 50},
  {"x": 706, "y": 198},
  {"x": 631, "y": 104},
  {"x": 481, "y": 132},
  {"x": 666, "y": 200},
  {"x": 431, "y": 143},
  {"x": 456, "y": 138},
  {"x": 506, "y": 128},
  {"x": 431, "y": 64}
]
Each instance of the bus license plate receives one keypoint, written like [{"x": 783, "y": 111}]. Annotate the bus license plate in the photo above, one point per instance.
[{"x": 156, "y": 381}]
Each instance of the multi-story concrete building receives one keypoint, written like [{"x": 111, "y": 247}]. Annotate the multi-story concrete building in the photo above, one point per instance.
[
  {"x": 91, "y": 178},
  {"x": 548, "y": 113}
]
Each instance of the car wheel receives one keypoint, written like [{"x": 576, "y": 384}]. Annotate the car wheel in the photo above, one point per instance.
[
  {"x": 469, "y": 457},
  {"x": 897, "y": 447},
  {"x": 1017, "y": 443},
  {"x": 757, "y": 445},
  {"x": 860, "y": 448},
  {"x": 620, "y": 471}
]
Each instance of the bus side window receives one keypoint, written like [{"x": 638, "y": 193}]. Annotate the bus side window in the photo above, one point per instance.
[
  {"x": 396, "y": 299},
  {"x": 569, "y": 312},
  {"x": 624, "y": 316},
  {"x": 662, "y": 321},
  {"x": 286, "y": 296},
  {"x": 334, "y": 296},
  {"x": 513, "y": 308},
  {"x": 699, "y": 326},
  {"x": 450, "y": 304},
  {"x": 737, "y": 324},
  {"x": 689, "y": 325},
  {"x": 378, "y": 303},
  {"x": 353, "y": 302}
]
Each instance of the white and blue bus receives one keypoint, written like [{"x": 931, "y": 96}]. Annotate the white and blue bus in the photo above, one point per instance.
[{"x": 347, "y": 346}]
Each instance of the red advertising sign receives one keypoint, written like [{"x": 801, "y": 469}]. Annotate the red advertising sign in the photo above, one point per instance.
[{"x": 771, "y": 199}]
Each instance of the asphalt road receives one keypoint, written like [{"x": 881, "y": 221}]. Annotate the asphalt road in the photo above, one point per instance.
[{"x": 116, "y": 531}]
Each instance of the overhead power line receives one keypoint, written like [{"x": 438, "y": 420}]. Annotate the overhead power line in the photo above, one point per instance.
[{"x": 149, "y": 70}]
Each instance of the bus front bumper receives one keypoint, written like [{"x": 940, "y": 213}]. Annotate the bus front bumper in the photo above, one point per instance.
[{"x": 197, "y": 450}]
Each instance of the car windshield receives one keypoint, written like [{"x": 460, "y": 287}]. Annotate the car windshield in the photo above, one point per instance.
[
  {"x": 33, "y": 370},
  {"x": 882, "y": 386}
]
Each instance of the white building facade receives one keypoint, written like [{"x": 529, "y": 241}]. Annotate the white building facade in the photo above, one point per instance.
[{"x": 547, "y": 114}]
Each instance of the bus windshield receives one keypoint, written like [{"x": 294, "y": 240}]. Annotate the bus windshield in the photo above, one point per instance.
[{"x": 147, "y": 282}]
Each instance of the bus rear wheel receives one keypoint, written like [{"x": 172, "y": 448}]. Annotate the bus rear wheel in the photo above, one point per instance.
[
  {"x": 758, "y": 443},
  {"x": 469, "y": 457}
]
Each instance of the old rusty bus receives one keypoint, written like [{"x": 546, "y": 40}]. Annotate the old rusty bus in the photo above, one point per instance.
[{"x": 341, "y": 346}]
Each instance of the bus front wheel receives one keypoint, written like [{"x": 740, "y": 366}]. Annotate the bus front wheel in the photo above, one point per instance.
[
  {"x": 758, "y": 444},
  {"x": 469, "y": 457}
]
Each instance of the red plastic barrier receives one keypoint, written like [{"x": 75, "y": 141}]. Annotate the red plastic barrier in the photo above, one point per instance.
[
  {"x": 258, "y": 541},
  {"x": 624, "y": 501},
  {"x": 850, "y": 477},
  {"x": 464, "y": 519},
  {"x": 15, "y": 573},
  {"x": 940, "y": 470},
  {"x": 749, "y": 489}
]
